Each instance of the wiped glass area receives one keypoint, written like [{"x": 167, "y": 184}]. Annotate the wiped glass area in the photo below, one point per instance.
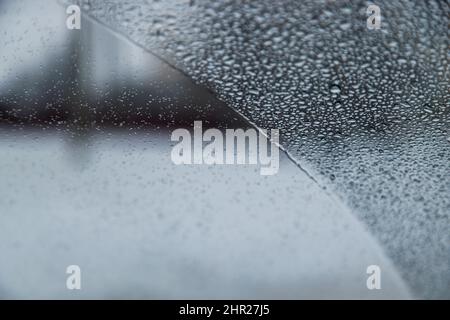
[{"x": 365, "y": 112}]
